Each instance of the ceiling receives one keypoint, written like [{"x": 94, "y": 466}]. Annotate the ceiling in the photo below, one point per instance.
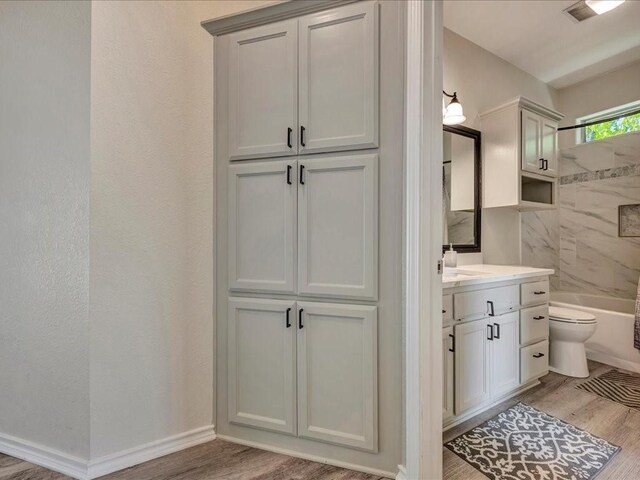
[{"x": 540, "y": 39}]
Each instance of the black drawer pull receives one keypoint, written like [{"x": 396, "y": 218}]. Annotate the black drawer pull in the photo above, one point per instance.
[
  {"x": 539, "y": 292},
  {"x": 546, "y": 164},
  {"x": 497, "y": 331},
  {"x": 492, "y": 312},
  {"x": 302, "y": 129},
  {"x": 288, "y": 174},
  {"x": 300, "y": 325},
  {"x": 301, "y": 174},
  {"x": 289, "y": 132},
  {"x": 288, "y": 321},
  {"x": 453, "y": 343},
  {"x": 490, "y": 332},
  {"x": 538, "y": 355},
  {"x": 539, "y": 317},
  {"x": 541, "y": 167}
]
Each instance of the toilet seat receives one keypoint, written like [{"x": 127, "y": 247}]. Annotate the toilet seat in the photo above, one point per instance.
[{"x": 568, "y": 315}]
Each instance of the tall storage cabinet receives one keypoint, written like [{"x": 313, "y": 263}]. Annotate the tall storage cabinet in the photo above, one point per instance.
[{"x": 308, "y": 135}]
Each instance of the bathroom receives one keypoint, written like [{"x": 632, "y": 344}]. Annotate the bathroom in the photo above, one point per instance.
[{"x": 554, "y": 212}]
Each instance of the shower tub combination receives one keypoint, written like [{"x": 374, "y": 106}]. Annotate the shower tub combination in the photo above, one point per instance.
[{"x": 613, "y": 341}]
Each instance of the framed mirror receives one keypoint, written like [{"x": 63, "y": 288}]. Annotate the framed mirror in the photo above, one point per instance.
[{"x": 461, "y": 189}]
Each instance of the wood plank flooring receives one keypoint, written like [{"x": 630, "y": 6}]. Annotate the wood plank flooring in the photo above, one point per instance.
[
  {"x": 222, "y": 460},
  {"x": 558, "y": 396},
  {"x": 217, "y": 460}
]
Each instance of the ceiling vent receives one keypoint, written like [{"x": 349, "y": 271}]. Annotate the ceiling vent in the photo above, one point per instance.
[{"x": 580, "y": 11}]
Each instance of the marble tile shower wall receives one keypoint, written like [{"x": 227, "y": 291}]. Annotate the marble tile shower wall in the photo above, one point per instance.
[{"x": 580, "y": 239}]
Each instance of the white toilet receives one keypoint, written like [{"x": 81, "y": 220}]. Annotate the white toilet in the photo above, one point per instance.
[{"x": 568, "y": 331}]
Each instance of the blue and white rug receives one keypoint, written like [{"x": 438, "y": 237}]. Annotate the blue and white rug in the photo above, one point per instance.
[{"x": 523, "y": 443}]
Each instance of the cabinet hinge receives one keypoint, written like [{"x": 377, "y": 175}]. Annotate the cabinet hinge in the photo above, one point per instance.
[{"x": 439, "y": 267}]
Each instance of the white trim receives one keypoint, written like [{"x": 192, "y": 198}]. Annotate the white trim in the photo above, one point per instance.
[
  {"x": 312, "y": 458},
  {"x": 423, "y": 244},
  {"x": 44, "y": 456},
  {"x": 613, "y": 361},
  {"x": 149, "y": 451},
  {"x": 402, "y": 473}
]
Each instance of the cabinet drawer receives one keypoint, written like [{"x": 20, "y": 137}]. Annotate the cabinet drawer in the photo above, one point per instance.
[
  {"x": 534, "y": 361},
  {"x": 534, "y": 292},
  {"x": 447, "y": 308},
  {"x": 477, "y": 304},
  {"x": 534, "y": 324}
]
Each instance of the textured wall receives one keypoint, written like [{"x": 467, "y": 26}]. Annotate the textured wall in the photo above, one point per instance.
[
  {"x": 581, "y": 239},
  {"x": 44, "y": 223},
  {"x": 151, "y": 220}
]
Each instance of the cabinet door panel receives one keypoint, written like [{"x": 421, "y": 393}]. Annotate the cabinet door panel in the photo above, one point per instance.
[
  {"x": 549, "y": 145},
  {"x": 262, "y": 224},
  {"x": 504, "y": 372},
  {"x": 338, "y": 226},
  {"x": 263, "y": 91},
  {"x": 261, "y": 364},
  {"x": 337, "y": 374},
  {"x": 471, "y": 366},
  {"x": 531, "y": 154},
  {"x": 339, "y": 79},
  {"x": 448, "y": 347}
]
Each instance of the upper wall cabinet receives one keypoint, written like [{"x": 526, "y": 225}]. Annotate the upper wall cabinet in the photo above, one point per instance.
[
  {"x": 332, "y": 58},
  {"x": 520, "y": 152},
  {"x": 263, "y": 91},
  {"x": 338, "y": 79}
]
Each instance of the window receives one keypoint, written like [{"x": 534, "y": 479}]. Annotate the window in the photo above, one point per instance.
[{"x": 628, "y": 121}]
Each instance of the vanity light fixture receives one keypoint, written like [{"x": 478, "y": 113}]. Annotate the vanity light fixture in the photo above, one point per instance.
[
  {"x": 452, "y": 114},
  {"x": 603, "y": 6}
]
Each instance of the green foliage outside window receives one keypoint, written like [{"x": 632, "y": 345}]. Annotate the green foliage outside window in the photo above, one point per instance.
[{"x": 612, "y": 128}]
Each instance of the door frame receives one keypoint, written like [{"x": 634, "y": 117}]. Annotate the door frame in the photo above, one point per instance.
[{"x": 423, "y": 241}]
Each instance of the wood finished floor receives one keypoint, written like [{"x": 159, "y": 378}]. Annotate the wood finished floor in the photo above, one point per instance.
[
  {"x": 222, "y": 460},
  {"x": 217, "y": 460},
  {"x": 558, "y": 396}
]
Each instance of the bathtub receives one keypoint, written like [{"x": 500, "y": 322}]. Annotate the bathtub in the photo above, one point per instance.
[{"x": 613, "y": 341}]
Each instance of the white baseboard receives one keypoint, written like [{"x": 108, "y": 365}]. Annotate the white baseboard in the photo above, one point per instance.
[
  {"x": 44, "y": 456},
  {"x": 313, "y": 458},
  {"x": 613, "y": 361},
  {"x": 402, "y": 473},
  {"x": 144, "y": 453}
]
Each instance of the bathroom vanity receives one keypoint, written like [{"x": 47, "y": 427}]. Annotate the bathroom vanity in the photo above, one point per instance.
[{"x": 495, "y": 336}]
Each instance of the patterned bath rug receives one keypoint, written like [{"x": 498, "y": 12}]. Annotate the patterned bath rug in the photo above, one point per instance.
[
  {"x": 619, "y": 387},
  {"x": 525, "y": 443}
]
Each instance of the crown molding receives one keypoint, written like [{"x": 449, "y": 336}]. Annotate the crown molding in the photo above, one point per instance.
[{"x": 264, "y": 15}]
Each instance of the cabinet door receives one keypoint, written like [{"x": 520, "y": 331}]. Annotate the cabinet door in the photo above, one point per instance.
[
  {"x": 471, "y": 365},
  {"x": 262, "y": 369},
  {"x": 531, "y": 155},
  {"x": 262, "y": 224},
  {"x": 339, "y": 79},
  {"x": 448, "y": 348},
  {"x": 337, "y": 374},
  {"x": 549, "y": 145},
  {"x": 338, "y": 226},
  {"x": 504, "y": 372},
  {"x": 263, "y": 91}
]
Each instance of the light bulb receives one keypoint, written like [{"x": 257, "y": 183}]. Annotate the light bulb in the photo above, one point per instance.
[{"x": 603, "y": 6}]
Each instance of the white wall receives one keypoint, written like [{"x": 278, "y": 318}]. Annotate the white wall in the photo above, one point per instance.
[
  {"x": 609, "y": 90},
  {"x": 44, "y": 223},
  {"x": 483, "y": 81},
  {"x": 151, "y": 220}
]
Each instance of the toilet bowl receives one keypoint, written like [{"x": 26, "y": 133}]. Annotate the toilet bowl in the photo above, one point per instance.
[{"x": 568, "y": 331}]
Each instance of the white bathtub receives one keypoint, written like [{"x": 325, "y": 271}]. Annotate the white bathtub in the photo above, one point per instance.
[{"x": 613, "y": 341}]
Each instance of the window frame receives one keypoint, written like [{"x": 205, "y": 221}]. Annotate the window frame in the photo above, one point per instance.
[{"x": 581, "y": 133}]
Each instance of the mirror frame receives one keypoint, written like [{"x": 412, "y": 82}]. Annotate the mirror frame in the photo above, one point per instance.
[{"x": 477, "y": 211}]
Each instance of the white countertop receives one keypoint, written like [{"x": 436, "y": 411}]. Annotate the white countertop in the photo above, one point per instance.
[{"x": 477, "y": 274}]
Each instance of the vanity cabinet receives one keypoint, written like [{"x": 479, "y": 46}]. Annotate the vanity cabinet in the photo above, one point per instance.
[
  {"x": 305, "y": 85},
  {"x": 494, "y": 345},
  {"x": 448, "y": 352},
  {"x": 520, "y": 156}
]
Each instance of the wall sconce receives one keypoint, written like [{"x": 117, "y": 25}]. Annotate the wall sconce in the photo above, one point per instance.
[{"x": 452, "y": 114}]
